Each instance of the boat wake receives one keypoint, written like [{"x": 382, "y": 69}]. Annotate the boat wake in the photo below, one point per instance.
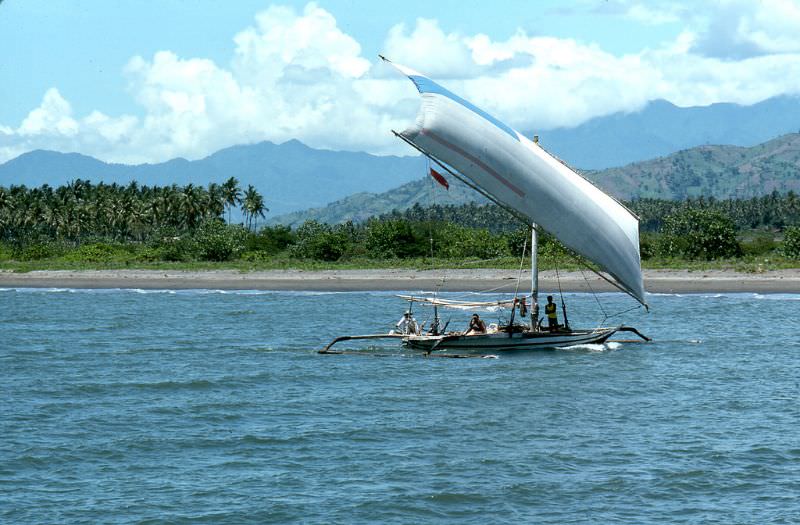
[{"x": 593, "y": 347}]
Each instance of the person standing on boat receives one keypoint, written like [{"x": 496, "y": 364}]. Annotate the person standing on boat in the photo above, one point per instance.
[
  {"x": 552, "y": 317},
  {"x": 476, "y": 325},
  {"x": 407, "y": 324}
]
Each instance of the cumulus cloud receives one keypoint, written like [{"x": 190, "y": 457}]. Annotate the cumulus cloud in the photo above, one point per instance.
[
  {"x": 739, "y": 29},
  {"x": 53, "y": 115},
  {"x": 299, "y": 75},
  {"x": 430, "y": 49}
]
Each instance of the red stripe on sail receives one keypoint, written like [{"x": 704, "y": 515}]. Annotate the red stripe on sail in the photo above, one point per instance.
[
  {"x": 440, "y": 179},
  {"x": 472, "y": 158}
]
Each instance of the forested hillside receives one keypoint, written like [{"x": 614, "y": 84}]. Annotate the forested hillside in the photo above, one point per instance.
[{"x": 719, "y": 172}]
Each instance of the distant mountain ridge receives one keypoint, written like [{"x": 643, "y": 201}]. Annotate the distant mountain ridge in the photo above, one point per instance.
[
  {"x": 291, "y": 176},
  {"x": 661, "y": 128},
  {"x": 718, "y": 171},
  {"x": 294, "y": 177}
]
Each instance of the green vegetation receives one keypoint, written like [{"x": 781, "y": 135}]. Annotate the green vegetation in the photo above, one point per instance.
[
  {"x": 81, "y": 225},
  {"x": 773, "y": 211},
  {"x": 791, "y": 242},
  {"x": 699, "y": 234},
  {"x": 703, "y": 172}
]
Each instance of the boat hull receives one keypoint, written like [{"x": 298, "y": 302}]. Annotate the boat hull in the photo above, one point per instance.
[{"x": 502, "y": 341}]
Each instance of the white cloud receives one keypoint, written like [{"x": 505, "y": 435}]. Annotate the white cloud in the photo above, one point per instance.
[
  {"x": 737, "y": 29},
  {"x": 298, "y": 75},
  {"x": 54, "y": 115},
  {"x": 310, "y": 41},
  {"x": 430, "y": 49}
]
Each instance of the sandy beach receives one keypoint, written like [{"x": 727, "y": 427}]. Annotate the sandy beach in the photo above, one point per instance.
[{"x": 660, "y": 281}]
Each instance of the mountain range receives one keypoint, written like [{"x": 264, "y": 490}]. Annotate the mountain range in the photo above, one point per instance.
[
  {"x": 294, "y": 177},
  {"x": 661, "y": 128},
  {"x": 718, "y": 171},
  {"x": 291, "y": 176}
]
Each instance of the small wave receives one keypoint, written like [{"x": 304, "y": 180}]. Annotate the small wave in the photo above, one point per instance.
[
  {"x": 239, "y": 313},
  {"x": 777, "y": 297},
  {"x": 206, "y": 291},
  {"x": 457, "y": 498},
  {"x": 82, "y": 290},
  {"x": 44, "y": 290},
  {"x": 593, "y": 347},
  {"x": 196, "y": 384}
]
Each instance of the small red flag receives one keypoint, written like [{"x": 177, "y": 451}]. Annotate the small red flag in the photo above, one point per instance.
[{"x": 439, "y": 178}]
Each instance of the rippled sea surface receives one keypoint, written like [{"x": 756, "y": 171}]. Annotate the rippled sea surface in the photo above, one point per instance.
[{"x": 206, "y": 406}]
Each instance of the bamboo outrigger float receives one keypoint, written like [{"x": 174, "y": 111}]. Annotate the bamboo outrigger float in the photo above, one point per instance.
[{"x": 521, "y": 177}]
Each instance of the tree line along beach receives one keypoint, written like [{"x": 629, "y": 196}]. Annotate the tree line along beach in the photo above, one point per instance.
[{"x": 106, "y": 235}]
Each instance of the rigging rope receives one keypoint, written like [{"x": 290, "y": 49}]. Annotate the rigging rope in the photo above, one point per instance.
[
  {"x": 612, "y": 283},
  {"x": 521, "y": 264},
  {"x": 563, "y": 304},
  {"x": 435, "y": 324},
  {"x": 430, "y": 210},
  {"x": 605, "y": 314},
  {"x": 560, "y": 293},
  {"x": 516, "y": 290},
  {"x": 637, "y": 307}
]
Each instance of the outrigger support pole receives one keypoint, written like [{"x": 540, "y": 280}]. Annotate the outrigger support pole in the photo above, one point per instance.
[
  {"x": 327, "y": 349},
  {"x": 624, "y": 328}
]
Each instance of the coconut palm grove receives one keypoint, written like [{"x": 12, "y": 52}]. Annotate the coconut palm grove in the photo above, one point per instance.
[{"x": 109, "y": 224}]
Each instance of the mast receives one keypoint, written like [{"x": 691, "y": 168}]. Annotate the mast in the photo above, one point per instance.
[{"x": 534, "y": 280}]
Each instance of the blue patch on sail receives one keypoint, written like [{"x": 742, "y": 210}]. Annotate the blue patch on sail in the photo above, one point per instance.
[{"x": 426, "y": 85}]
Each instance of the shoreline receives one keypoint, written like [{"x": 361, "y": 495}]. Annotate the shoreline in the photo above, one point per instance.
[{"x": 656, "y": 281}]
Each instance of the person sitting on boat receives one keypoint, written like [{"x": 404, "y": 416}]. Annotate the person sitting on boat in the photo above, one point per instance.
[
  {"x": 550, "y": 310},
  {"x": 407, "y": 324},
  {"x": 476, "y": 325}
]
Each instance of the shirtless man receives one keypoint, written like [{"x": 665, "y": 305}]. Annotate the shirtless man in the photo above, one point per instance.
[{"x": 476, "y": 326}]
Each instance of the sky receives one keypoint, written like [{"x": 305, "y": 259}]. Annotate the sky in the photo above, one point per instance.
[{"x": 146, "y": 81}]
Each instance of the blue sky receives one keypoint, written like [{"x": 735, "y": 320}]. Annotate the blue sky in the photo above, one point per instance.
[{"x": 149, "y": 80}]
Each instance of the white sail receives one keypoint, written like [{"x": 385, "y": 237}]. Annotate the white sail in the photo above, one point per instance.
[{"x": 521, "y": 175}]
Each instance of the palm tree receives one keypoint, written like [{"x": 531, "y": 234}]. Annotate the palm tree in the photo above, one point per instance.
[
  {"x": 231, "y": 194},
  {"x": 253, "y": 206},
  {"x": 216, "y": 200}
]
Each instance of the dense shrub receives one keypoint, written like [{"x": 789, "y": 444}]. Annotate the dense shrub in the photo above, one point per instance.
[
  {"x": 390, "y": 239},
  {"x": 255, "y": 256},
  {"x": 176, "y": 248},
  {"x": 314, "y": 240},
  {"x": 791, "y": 242},
  {"x": 270, "y": 240},
  {"x": 648, "y": 245},
  {"x": 458, "y": 242},
  {"x": 148, "y": 254},
  {"x": 217, "y": 241},
  {"x": 38, "y": 250},
  {"x": 759, "y": 244},
  {"x": 699, "y": 234},
  {"x": 97, "y": 252},
  {"x": 550, "y": 247},
  {"x": 518, "y": 239}
]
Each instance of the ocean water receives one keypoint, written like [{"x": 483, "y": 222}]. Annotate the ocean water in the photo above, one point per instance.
[{"x": 197, "y": 406}]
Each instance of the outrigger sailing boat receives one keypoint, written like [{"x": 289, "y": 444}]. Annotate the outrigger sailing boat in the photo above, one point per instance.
[{"x": 521, "y": 177}]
